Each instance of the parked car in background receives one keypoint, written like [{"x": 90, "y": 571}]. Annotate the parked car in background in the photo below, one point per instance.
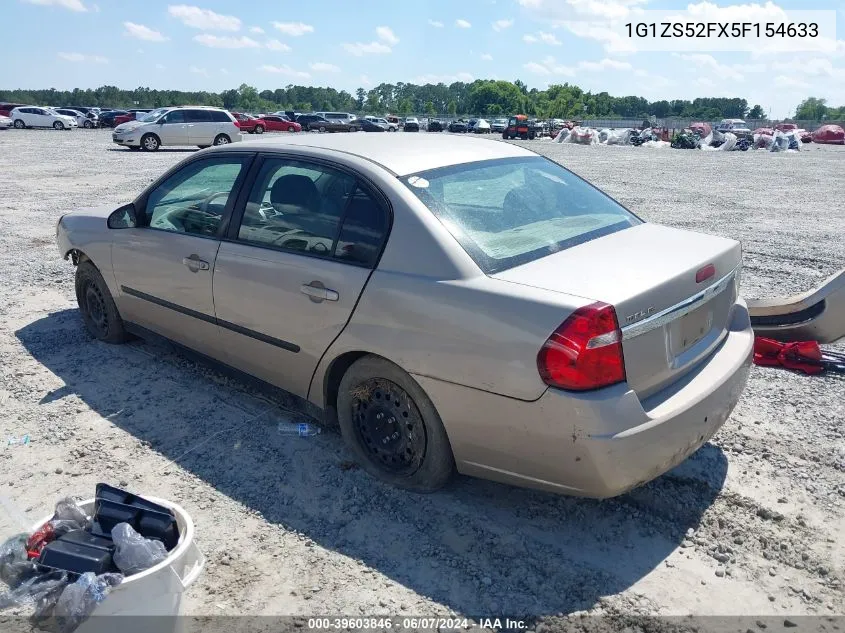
[
  {"x": 178, "y": 126},
  {"x": 6, "y": 108},
  {"x": 305, "y": 120},
  {"x": 249, "y": 123},
  {"x": 89, "y": 111},
  {"x": 481, "y": 126},
  {"x": 786, "y": 127},
  {"x": 337, "y": 116},
  {"x": 107, "y": 117},
  {"x": 498, "y": 125},
  {"x": 5, "y": 122},
  {"x": 586, "y": 384},
  {"x": 388, "y": 125},
  {"x": 412, "y": 124},
  {"x": 131, "y": 115},
  {"x": 436, "y": 125},
  {"x": 520, "y": 127},
  {"x": 277, "y": 123},
  {"x": 458, "y": 126},
  {"x": 737, "y": 127},
  {"x": 367, "y": 125},
  {"x": 28, "y": 117},
  {"x": 82, "y": 119}
]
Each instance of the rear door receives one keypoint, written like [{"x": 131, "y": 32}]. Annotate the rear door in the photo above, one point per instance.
[
  {"x": 201, "y": 127},
  {"x": 164, "y": 267},
  {"x": 174, "y": 130},
  {"x": 290, "y": 273}
]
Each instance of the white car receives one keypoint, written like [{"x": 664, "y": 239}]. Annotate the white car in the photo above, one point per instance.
[
  {"x": 82, "y": 120},
  {"x": 5, "y": 122},
  {"x": 481, "y": 127},
  {"x": 26, "y": 117},
  {"x": 178, "y": 126}
]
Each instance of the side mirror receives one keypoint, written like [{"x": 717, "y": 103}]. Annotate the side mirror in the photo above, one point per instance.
[
  {"x": 123, "y": 218},
  {"x": 160, "y": 121}
]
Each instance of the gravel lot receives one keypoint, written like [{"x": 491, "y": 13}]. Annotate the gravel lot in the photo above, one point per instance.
[{"x": 752, "y": 524}]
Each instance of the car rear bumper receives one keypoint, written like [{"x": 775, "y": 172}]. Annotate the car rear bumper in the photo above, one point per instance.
[{"x": 595, "y": 444}]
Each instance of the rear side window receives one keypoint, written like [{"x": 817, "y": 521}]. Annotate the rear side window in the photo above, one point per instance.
[
  {"x": 511, "y": 211},
  {"x": 363, "y": 230},
  {"x": 198, "y": 116},
  {"x": 219, "y": 116}
]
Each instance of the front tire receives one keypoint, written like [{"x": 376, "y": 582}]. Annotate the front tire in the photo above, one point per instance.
[
  {"x": 99, "y": 313},
  {"x": 222, "y": 139},
  {"x": 88, "y": 125},
  {"x": 322, "y": 128},
  {"x": 58, "y": 125},
  {"x": 150, "y": 143},
  {"x": 392, "y": 427}
]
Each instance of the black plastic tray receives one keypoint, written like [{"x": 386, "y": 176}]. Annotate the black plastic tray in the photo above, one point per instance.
[
  {"x": 110, "y": 493},
  {"x": 76, "y": 558},
  {"x": 148, "y": 523}
]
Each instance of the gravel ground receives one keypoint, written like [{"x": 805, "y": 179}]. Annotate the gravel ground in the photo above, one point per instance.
[{"x": 749, "y": 525}]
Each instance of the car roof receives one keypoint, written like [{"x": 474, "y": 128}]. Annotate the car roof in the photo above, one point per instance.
[{"x": 401, "y": 154}]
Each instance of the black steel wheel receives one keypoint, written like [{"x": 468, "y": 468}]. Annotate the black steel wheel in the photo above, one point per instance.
[
  {"x": 99, "y": 313},
  {"x": 392, "y": 427}
]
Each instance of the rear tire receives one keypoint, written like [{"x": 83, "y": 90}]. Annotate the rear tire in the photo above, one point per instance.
[
  {"x": 322, "y": 128},
  {"x": 392, "y": 427},
  {"x": 99, "y": 313},
  {"x": 150, "y": 143},
  {"x": 222, "y": 139},
  {"x": 259, "y": 129},
  {"x": 19, "y": 125}
]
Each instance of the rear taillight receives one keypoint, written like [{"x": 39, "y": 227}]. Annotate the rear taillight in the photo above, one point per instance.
[
  {"x": 585, "y": 352},
  {"x": 237, "y": 124}
]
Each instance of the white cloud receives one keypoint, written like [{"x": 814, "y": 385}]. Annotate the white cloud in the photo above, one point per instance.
[
  {"x": 284, "y": 70},
  {"x": 198, "y": 71},
  {"x": 435, "y": 24},
  {"x": 386, "y": 35},
  {"x": 487, "y": 57},
  {"x": 73, "y": 5},
  {"x": 203, "y": 18},
  {"x": 443, "y": 79},
  {"x": 276, "y": 45},
  {"x": 815, "y": 67},
  {"x": 160, "y": 66},
  {"x": 790, "y": 81},
  {"x": 546, "y": 38},
  {"x": 709, "y": 62},
  {"x": 366, "y": 81},
  {"x": 537, "y": 68},
  {"x": 79, "y": 57},
  {"x": 294, "y": 29},
  {"x": 501, "y": 25},
  {"x": 214, "y": 41},
  {"x": 323, "y": 67},
  {"x": 462, "y": 24},
  {"x": 550, "y": 66},
  {"x": 612, "y": 39},
  {"x": 557, "y": 10},
  {"x": 605, "y": 64},
  {"x": 142, "y": 32},
  {"x": 257, "y": 30}
]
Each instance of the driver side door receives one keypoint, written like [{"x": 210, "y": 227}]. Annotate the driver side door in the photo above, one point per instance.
[
  {"x": 174, "y": 130},
  {"x": 164, "y": 266}
]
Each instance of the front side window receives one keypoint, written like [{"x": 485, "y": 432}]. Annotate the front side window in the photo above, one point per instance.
[
  {"x": 176, "y": 116},
  {"x": 507, "y": 212},
  {"x": 194, "y": 199}
]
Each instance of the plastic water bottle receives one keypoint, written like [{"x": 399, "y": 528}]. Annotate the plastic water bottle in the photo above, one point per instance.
[{"x": 302, "y": 429}]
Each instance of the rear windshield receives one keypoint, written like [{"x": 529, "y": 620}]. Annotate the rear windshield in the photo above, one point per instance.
[{"x": 511, "y": 211}]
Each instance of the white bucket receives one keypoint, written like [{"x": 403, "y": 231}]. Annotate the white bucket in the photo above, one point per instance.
[{"x": 154, "y": 592}]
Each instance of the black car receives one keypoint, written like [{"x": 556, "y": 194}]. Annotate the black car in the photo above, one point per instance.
[
  {"x": 411, "y": 125},
  {"x": 305, "y": 120},
  {"x": 365, "y": 125},
  {"x": 436, "y": 126},
  {"x": 457, "y": 126},
  {"x": 107, "y": 117}
]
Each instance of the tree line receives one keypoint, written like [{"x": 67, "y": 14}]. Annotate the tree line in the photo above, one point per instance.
[{"x": 482, "y": 97}]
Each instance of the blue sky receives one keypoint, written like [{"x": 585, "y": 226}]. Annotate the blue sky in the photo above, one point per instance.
[{"x": 215, "y": 45}]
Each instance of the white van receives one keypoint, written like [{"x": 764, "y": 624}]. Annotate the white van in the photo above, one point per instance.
[
  {"x": 198, "y": 126},
  {"x": 337, "y": 116}
]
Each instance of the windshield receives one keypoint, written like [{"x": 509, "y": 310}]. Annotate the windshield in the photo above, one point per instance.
[
  {"x": 511, "y": 211},
  {"x": 153, "y": 116}
]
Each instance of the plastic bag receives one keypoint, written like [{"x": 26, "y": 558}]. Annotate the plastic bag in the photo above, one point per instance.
[
  {"x": 79, "y": 599},
  {"x": 730, "y": 142},
  {"x": 134, "y": 553},
  {"x": 15, "y": 566},
  {"x": 562, "y": 135},
  {"x": 33, "y": 589},
  {"x": 69, "y": 516}
]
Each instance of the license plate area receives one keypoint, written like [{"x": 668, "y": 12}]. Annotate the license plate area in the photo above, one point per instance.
[{"x": 685, "y": 332}]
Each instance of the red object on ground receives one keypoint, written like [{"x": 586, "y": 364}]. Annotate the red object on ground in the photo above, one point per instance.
[
  {"x": 38, "y": 540},
  {"x": 802, "y": 355},
  {"x": 832, "y": 134},
  {"x": 703, "y": 129},
  {"x": 764, "y": 130}
]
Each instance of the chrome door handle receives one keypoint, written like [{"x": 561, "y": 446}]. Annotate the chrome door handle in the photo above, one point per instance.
[
  {"x": 194, "y": 263},
  {"x": 318, "y": 293}
]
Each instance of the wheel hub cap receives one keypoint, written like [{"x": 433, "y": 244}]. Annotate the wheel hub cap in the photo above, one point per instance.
[{"x": 96, "y": 308}]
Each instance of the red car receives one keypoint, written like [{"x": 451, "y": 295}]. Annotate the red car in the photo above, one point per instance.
[
  {"x": 281, "y": 124},
  {"x": 249, "y": 123},
  {"x": 6, "y": 108},
  {"x": 130, "y": 115}
]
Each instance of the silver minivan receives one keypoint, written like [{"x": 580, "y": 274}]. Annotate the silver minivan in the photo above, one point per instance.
[{"x": 201, "y": 126}]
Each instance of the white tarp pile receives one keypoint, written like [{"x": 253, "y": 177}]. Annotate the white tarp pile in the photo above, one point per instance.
[
  {"x": 763, "y": 141},
  {"x": 657, "y": 144},
  {"x": 616, "y": 137},
  {"x": 728, "y": 140},
  {"x": 562, "y": 135},
  {"x": 729, "y": 144},
  {"x": 583, "y": 136},
  {"x": 785, "y": 141}
]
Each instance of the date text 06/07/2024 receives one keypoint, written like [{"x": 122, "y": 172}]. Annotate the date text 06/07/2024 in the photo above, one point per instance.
[
  {"x": 722, "y": 29},
  {"x": 412, "y": 623}
]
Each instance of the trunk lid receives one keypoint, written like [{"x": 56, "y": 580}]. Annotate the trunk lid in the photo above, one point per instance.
[{"x": 648, "y": 273}]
